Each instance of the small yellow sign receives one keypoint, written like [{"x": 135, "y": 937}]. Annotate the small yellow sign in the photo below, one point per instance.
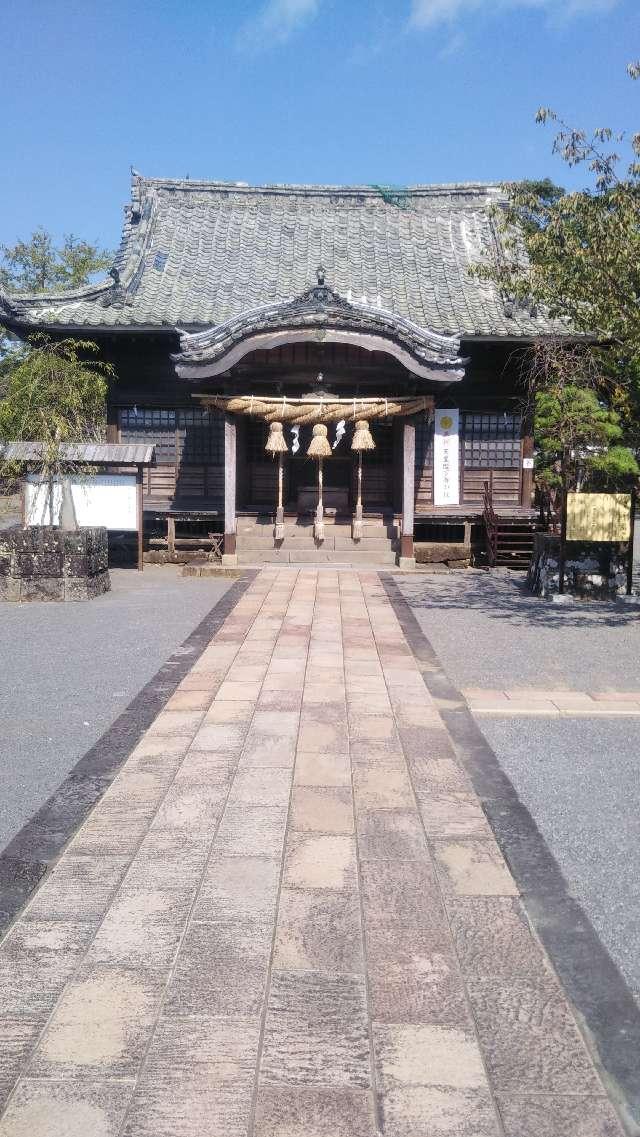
[
  {"x": 598, "y": 516},
  {"x": 446, "y": 422}
]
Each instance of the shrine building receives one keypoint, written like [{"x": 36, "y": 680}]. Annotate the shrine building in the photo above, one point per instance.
[{"x": 320, "y": 372}]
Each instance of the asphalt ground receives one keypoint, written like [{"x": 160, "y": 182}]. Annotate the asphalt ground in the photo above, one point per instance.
[
  {"x": 69, "y": 670},
  {"x": 490, "y": 632},
  {"x": 579, "y": 780},
  {"x": 579, "y": 777}
]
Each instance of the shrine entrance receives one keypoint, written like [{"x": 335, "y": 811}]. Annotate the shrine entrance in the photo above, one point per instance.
[{"x": 259, "y": 471}]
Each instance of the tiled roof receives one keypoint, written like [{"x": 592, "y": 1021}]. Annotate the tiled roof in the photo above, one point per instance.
[{"x": 197, "y": 254}]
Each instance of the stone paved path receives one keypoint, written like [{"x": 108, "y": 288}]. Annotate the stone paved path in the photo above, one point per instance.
[
  {"x": 552, "y": 703},
  {"x": 288, "y": 917}
]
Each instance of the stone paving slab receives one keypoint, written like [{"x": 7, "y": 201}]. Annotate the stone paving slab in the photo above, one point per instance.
[
  {"x": 288, "y": 917},
  {"x": 527, "y": 701}
]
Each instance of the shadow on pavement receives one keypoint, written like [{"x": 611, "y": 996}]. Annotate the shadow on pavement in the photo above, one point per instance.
[{"x": 503, "y": 596}]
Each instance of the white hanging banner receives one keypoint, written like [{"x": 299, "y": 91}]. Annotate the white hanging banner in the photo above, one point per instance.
[{"x": 446, "y": 453}]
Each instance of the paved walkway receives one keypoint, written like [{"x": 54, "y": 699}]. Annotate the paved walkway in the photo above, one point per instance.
[
  {"x": 552, "y": 703},
  {"x": 288, "y": 916}
]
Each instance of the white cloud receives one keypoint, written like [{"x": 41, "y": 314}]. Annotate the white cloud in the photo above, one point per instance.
[
  {"x": 277, "y": 21},
  {"x": 429, "y": 13}
]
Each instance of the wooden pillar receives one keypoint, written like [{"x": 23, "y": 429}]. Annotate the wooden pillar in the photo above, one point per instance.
[
  {"x": 171, "y": 537},
  {"x": 113, "y": 429},
  {"x": 407, "y": 558},
  {"x": 140, "y": 517},
  {"x": 396, "y": 427},
  {"x": 242, "y": 466},
  {"x": 633, "y": 575},
  {"x": 230, "y": 555},
  {"x": 526, "y": 493}
]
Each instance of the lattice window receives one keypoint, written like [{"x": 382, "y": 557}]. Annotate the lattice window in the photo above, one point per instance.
[
  {"x": 193, "y": 437},
  {"x": 155, "y": 426},
  {"x": 491, "y": 441},
  {"x": 200, "y": 436},
  {"x": 424, "y": 444}
]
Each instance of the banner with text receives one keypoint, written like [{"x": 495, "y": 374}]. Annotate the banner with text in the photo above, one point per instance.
[{"x": 446, "y": 449}]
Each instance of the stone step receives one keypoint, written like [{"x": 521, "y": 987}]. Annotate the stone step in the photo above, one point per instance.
[
  {"x": 371, "y": 544},
  {"x": 298, "y": 537},
  {"x": 315, "y": 556},
  {"x": 264, "y": 529},
  {"x": 363, "y": 557},
  {"x": 303, "y": 537},
  {"x": 249, "y": 543}
]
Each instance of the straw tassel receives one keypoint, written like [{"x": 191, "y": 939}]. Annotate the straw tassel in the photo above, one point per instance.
[
  {"x": 362, "y": 440},
  {"x": 319, "y": 448},
  {"x": 276, "y": 444}
]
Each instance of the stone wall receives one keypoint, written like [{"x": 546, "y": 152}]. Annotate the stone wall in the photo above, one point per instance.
[
  {"x": 43, "y": 563},
  {"x": 592, "y": 569},
  {"x": 453, "y": 554}
]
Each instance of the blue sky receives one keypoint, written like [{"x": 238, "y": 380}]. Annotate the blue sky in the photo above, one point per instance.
[{"x": 340, "y": 91}]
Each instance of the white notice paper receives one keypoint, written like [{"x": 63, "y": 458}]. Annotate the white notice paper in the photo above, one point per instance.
[
  {"x": 446, "y": 450},
  {"x": 100, "y": 499}
]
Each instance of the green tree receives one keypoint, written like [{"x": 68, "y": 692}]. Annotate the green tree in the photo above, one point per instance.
[
  {"x": 579, "y": 437},
  {"x": 55, "y": 395},
  {"x": 12, "y": 350},
  {"x": 37, "y": 265},
  {"x": 577, "y": 254}
]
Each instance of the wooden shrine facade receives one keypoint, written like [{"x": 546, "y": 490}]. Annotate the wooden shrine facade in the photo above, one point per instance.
[
  {"x": 189, "y": 439},
  {"x": 206, "y": 458},
  {"x": 210, "y": 297}
]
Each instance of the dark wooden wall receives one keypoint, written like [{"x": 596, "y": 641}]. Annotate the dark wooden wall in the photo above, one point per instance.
[{"x": 146, "y": 378}]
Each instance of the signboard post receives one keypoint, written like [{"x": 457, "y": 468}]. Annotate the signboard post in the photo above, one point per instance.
[
  {"x": 633, "y": 563},
  {"x": 446, "y": 457},
  {"x": 598, "y": 516}
]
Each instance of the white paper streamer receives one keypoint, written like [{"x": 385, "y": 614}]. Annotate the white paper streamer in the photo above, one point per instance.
[
  {"x": 295, "y": 435},
  {"x": 340, "y": 429}
]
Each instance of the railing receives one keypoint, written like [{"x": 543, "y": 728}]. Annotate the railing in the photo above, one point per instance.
[{"x": 490, "y": 522}]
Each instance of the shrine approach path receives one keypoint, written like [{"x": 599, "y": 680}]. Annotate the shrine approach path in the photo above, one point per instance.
[{"x": 288, "y": 915}]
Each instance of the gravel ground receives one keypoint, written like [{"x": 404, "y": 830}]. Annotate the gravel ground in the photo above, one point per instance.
[
  {"x": 520, "y": 640},
  {"x": 580, "y": 777},
  {"x": 69, "y": 670},
  {"x": 580, "y": 780}
]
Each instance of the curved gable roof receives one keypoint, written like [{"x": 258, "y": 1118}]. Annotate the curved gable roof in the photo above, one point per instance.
[
  {"x": 198, "y": 254},
  {"x": 322, "y": 315}
]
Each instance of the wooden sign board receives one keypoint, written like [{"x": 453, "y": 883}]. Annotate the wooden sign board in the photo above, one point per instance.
[
  {"x": 102, "y": 499},
  {"x": 598, "y": 516}
]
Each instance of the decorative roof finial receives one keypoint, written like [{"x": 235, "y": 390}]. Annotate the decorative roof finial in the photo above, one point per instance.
[{"x": 320, "y": 274}]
